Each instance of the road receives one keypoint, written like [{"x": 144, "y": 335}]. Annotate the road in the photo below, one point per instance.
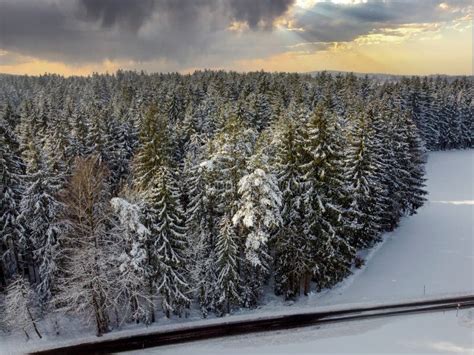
[{"x": 265, "y": 324}]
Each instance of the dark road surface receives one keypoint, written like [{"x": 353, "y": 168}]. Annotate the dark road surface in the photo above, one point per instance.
[{"x": 264, "y": 324}]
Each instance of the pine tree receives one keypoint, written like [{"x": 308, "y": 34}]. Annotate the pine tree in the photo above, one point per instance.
[
  {"x": 465, "y": 106},
  {"x": 155, "y": 178},
  {"x": 414, "y": 163},
  {"x": 258, "y": 212},
  {"x": 324, "y": 198},
  {"x": 228, "y": 280},
  {"x": 39, "y": 212},
  {"x": 257, "y": 217},
  {"x": 230, "y": 151},
  {"x": 362, "y": 166},
  {"x": 293, "y": 260},
  {"x": 391, "y": 149},
  {"x": 11, "y": 189},
  {"x": 134, "y": 268},
  {"x": 202, "y": 231},
  {"x": 165, "y": 222},
  {"x": 156, "y": 148}
]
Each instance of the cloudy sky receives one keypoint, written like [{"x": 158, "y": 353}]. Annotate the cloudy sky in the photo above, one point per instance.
[{"x": 77, "y": 37}]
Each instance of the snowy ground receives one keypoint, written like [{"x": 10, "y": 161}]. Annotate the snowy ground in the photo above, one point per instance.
[
  {"x": 430, "y": 254},
  {"x": 433, "y": 333}
]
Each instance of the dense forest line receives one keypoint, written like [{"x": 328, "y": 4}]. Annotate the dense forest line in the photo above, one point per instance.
[{"x": 129, "y": 196}]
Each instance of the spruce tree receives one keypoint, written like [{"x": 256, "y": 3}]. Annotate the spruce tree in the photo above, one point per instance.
[
  {"x": 39, "y": 214},
  {"x": 293, "y": 258},
  {"x": 228, "y": 280},
  {"x": 155, "y": 178},
  {"x": 325, "y": 195},
  {"x": 362, "y": 166},
  {"x": 134, "y": 267},
  {"x": 11, "y": 189}
]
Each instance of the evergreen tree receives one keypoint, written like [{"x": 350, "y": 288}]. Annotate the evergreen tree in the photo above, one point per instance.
[
  {"x": 134, "y": 268},
  {"x": 164, "y": 220},
  {"x": 202, "y": 231},
  {"x": 362, "y": 175},
  {"x": 11, "y": 189},
  {"x": 39, "y": 212},
  {"x": 293, "y": 258},
  {"x": 257, "y": 217},
  {"x": 324, "y": 198},
  {"x": 155, "y": 177},
  {"x": 228, "y": 280}
]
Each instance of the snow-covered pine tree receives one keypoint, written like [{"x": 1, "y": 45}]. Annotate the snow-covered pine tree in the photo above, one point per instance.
[
  {"x": 413, "y": 162},
  {"x": 164, "y": 219},
  {"x": 325, "y": 196},
  {"x": 389, "y": 147},
  {"x": 228, "y": 285},
  {"x": 134, "y": 267},
  {"x": 155, "y": 148},
  {"x": 201, "y": 231},
  {"x": 465, "y": 108},
  {"x": 39, "y": 212},
  {"x": 361, "y": 174},
  {"x": 261, "y": 111},
  {"x": 257, "y": 217},
  {"x": 57, "y": 144},
  {"x": 155, "y": 178},
  {"x": 450, "y": 126},
  {"x": 258, "y": 212},
  {"x": 11, "y": 189},
  {"x": 79, "y": 132},
  {"x": 231, "y": 149},
  {"x": 293, "y": 253}
]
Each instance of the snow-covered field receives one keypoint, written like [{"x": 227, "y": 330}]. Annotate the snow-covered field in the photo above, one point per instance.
[{"x": 430, "y": 254}]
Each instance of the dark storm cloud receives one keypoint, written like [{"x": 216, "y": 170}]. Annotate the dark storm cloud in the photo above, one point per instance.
[
  {"x": 254, "y": 11},
  {"x": 90, "y": 30},
  {"x": 131, "y": 14},
  {"x": 190, "y": 32}
]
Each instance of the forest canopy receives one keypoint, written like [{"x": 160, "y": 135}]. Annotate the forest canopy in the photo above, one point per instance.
[{"x": 131, "y": 195}]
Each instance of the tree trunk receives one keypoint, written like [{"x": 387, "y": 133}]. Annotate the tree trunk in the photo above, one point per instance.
[
  {"x": 34, "y": 323},
  {"x": 306, "y": 284}
]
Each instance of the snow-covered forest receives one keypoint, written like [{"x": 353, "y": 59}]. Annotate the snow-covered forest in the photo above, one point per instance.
[{"x": 129, "y": 197}]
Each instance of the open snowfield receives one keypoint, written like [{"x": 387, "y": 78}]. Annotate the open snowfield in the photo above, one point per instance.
[
  {"x": 432, "y": 251},
  {"x": 430, "y": 254}
]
